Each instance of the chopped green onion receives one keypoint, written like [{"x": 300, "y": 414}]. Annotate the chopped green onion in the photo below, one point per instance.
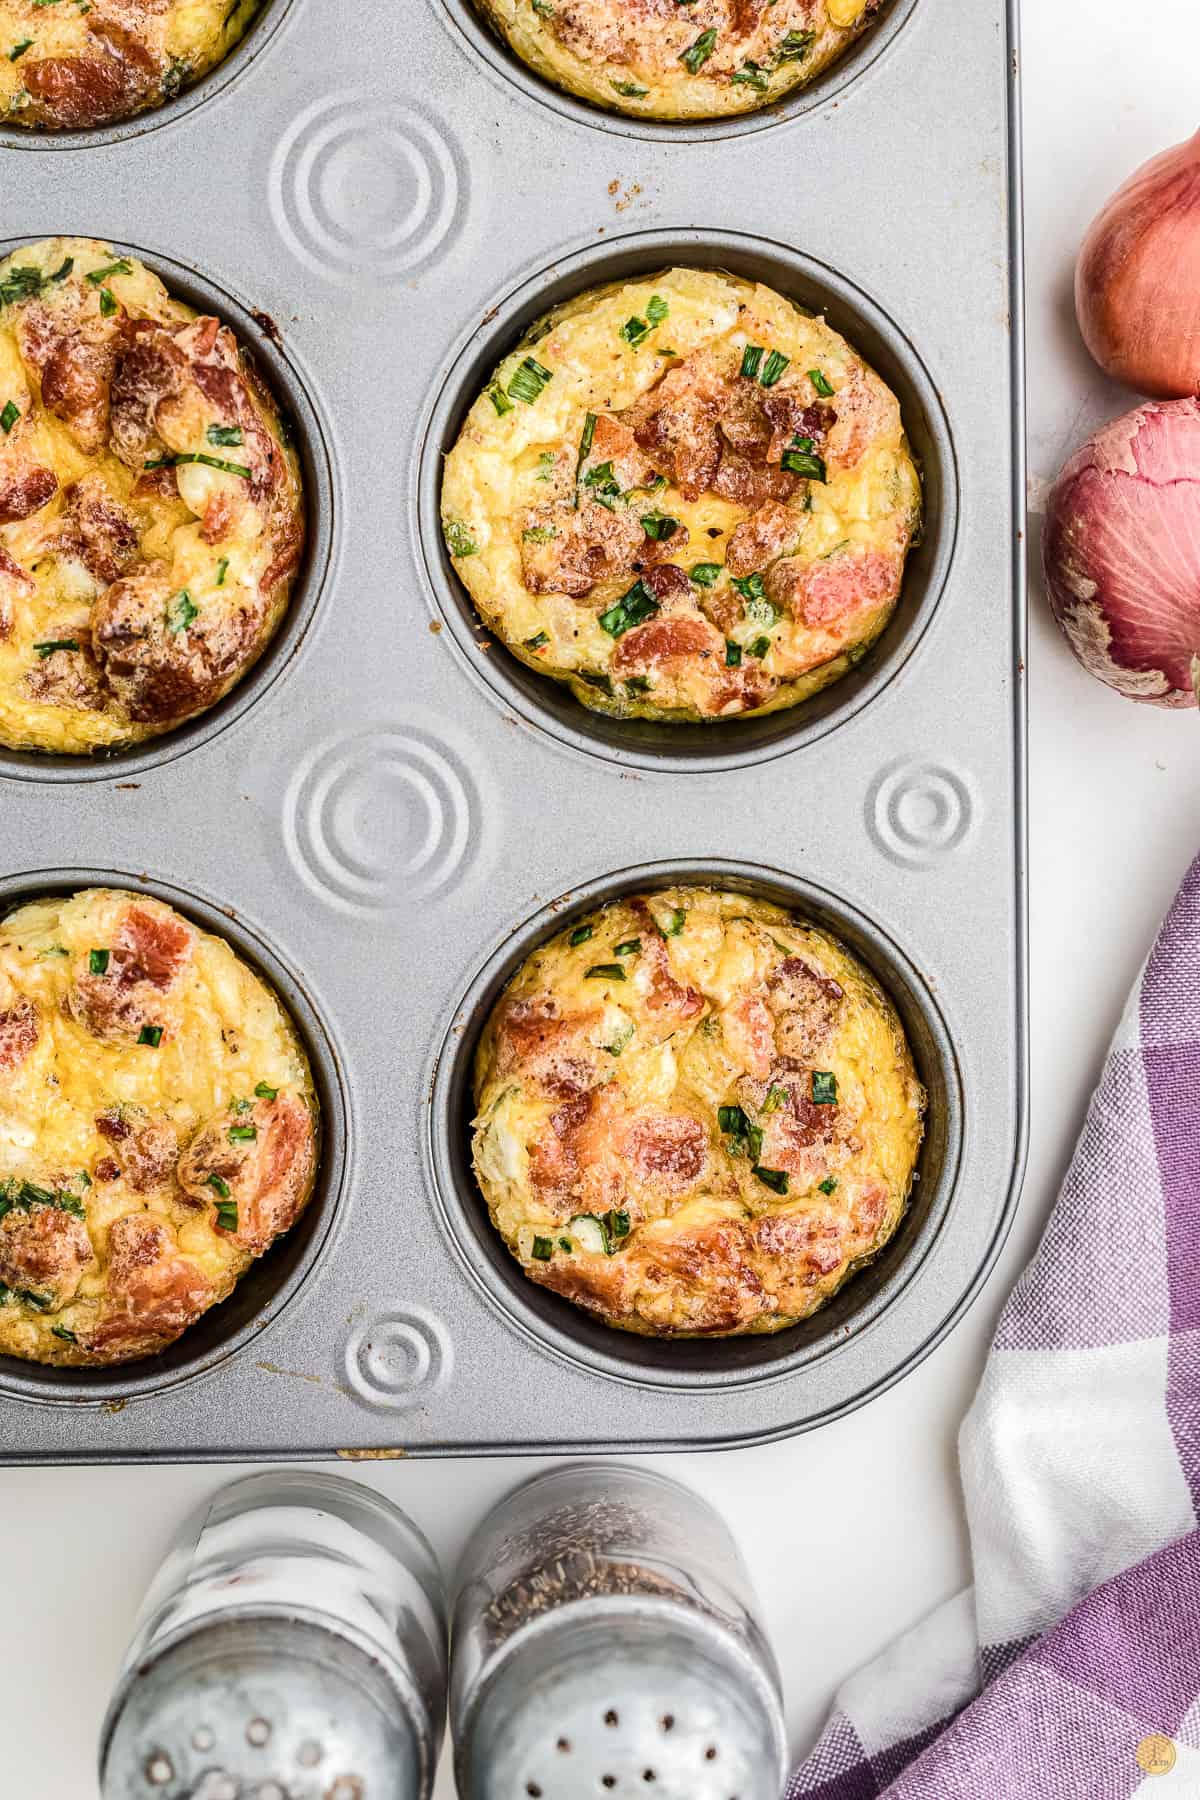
[
  {"x": 49, "y": 645},
  {"x": 98, "y": 962},
  {"x": 242, "y": 1134},
  {"x": 759, "y": 647},
  {"x": 806, "y": 463},
  {"x": 581, "y": 934},
  {"x": 179, "y": 457},
  {"x": 108, "y": 305},
  {"x": 673, "y": 922},
  {"x": 629, "y": 89},
  {"x": 500, "y": 399},
  {"x": 638, "y": 684},
  {"x": 596, "y": 679},
  {"x": 733, "y": 654},
  {"x": 705, "y": 574},
  {"x": 222, "y": 571},
  {"x": 585, "y": 450},
  {"x": 618, "y": 1223},
  {"x": 151, "y": 1035},
  {"x": 630, "y": 947},
  {"x": 535, "y": 643},
  {"x": 528, "y": 381},
  {"x": 543, "y": 1249},
  {"x": 821, "y": 382},
  {"x": 633, "y": 608},
  {"x": 752, "y": 74},
  {"x": 752, "y": 357},
  {"x": 546, "y": 463},
  {"x": 622, "y": 1039},
  {"x": 18, "y": 50},
  {"x": 459, "y": 541},
  {"x": 773, "y": 368},
  {"x": 659, "y": 526},
  {"x": 795, "y": 46},
  {"x": 20, "y": 283},
  {"x": 181, "y": 612},
  {"x": 605, "y": 972},
  {"x": 603, "y": 485},
  {"x": 9, "y": 417},
  {"x": 565, "y": 1244},
  {"x": 219, "y": 1186},
  {"x": 657, "y": 309},
  {"x": 264, "y": 1092},
  {"x": 98, "y": 277},
  {"x": 227, "y": 1215},
  {"x": 635, "y": 331},
  {"x": 827, "y": 1186},
  {"x": 225, "y": 435},
  {"x": 824, "y": 1088},
  {"x": 776, "y": 1097},
  {"x": 750, "y": 587},
  {"x": 694, "y": 59},
  {"x": 65, "y": 1333},
  {"x": 539, "y": 534},
  {"x": 775, "y": 1179}
]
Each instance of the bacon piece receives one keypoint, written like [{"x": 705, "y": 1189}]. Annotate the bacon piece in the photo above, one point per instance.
[
  {"x": 865, "y": 412},
  {"x": 154, "y": 1291},
  {"x": 667, "y": 1152},
  {"x": 761, "y": 538},
  {"x": 268, "y": 1176},
  {"x": 554, "y": 1154},
  {"x": 588, "y": 546},
  {"x": 15, "y": 584},
  {"x": 749, "y": 1033},
  {"x": 20, "y": 1028},
  {"x": 67, "y": 678},
  {"x": 151, "y": 951},
  {"x": 548, "y": 1047},
  {"x": 98, "y": 530},
  {"x": 148, "y": 371},
  {"x": 745, "y": 16},
  {"x": 807, "y": 1006},
  {"x": 76, "y": 387},
  {"x": 288, "y": 542},
  {"x": 749, "y": 483},
  {"x": 613, "y": 441},
  {"x": 160, "y": 675},
  {"x": 700, "y": 1281},
  {"x": 676, "y": 423},
  {"x": 147, "y": 1150},
  {"x": 667, "y": 582},
  {"x": 72, "y": 92},
  {"x": 808, "y": 1247},
  {"x": 44, "y": 1250},
  {"x": 107, "y": 1169},
  {"x": 826, "y": 595},
  {"x": 666, "y": 641},
  {"x": 24, "y": 494}
]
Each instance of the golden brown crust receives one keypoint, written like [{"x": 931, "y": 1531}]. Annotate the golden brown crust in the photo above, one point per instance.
[
  {"x": 151, "y": 517},
  {"x": 697, "y": 1115},
  {"x": 158, "y": 1129}
]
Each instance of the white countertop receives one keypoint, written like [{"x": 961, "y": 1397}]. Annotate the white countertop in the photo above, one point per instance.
[{"x": 855, "y": 1531}]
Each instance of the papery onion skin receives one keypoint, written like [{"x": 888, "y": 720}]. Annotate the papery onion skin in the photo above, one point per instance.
[
  {"x": 1121, "y": 552},
  {"x": 1137, "y": 283}
]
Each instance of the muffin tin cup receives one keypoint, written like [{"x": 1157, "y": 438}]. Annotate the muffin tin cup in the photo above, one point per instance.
[
  {"x": 725, "y": 743},
  {"x": 257, "y": 334},
  {"x": 699, "y": 1362},
  {"x": 273, "y": 1281},
  {"x": 271, "y": 18},
  {"x": 466, "y": 20}
]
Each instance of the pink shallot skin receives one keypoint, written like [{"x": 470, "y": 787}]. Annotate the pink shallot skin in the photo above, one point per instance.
[{"x": 1121, "y": 553}]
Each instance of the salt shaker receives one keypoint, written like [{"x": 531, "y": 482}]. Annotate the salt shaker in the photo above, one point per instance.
[
  {"x": 291, "y": 1647},
  {"x": 606, "y": 1641}
]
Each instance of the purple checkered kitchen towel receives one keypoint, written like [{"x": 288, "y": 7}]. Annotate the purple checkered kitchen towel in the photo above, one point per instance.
[{"x": 1071, "y": 1671}]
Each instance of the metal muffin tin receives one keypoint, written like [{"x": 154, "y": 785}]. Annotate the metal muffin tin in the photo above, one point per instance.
[{"x": 390, "y": 811}]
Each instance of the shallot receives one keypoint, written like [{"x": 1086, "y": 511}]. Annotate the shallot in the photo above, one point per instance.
[
  {"x": 1137, "y": 284},
  {"x": 1121, "y": 552}
]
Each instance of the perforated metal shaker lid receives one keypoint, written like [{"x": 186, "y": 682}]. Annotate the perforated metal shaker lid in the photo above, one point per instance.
[
  {"x": 622, "y": 1698},
  {"x": 263, "y": 1709}
]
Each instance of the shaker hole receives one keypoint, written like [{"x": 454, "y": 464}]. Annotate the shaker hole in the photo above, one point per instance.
[
  {"x": 258, "y": 1732},
  {"x": 203, "y": 1738},
  {"x": 159, "y": 1770},
  {"x": 309, "y": 1754},
  {"x": 611, "y": 1718},
  {"x": 667, "y": 1722},
  {"x": 564, "y": 1745},
  {"x": 710, "y": 1755},
  {"x": 648, "y": 1775},
  {"x": 608, "y": 1781},
  {"x": 533, "y": 1790}
]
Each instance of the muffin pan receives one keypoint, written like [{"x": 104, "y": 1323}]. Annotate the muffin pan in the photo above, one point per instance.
[{"x": 389, "y": 829}]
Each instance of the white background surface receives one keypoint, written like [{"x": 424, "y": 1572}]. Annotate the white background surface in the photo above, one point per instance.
[{"x": 854, "y": 1532}]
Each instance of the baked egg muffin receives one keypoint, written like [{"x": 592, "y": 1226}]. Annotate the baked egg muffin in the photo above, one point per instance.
[
  {"x": 65, "y": 64},
  {"x": 685, "y": 498},
  {"x": 158, "y": 1126},
  {"x": 680, "y": 59},
  {"x": 151, "y": 508},
  {"x": 697, "y": 1115}
]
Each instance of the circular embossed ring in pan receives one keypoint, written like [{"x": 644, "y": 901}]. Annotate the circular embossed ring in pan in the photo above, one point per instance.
[
  {"x": 257, "y": 335},
  {"x": 272, "y": 1282},
  {"x": 726, "y": 1362},
  {"x": 466, "y": 18},
  {"x": 722, "y": 743},
  {"x": 110, "y": 65}
]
